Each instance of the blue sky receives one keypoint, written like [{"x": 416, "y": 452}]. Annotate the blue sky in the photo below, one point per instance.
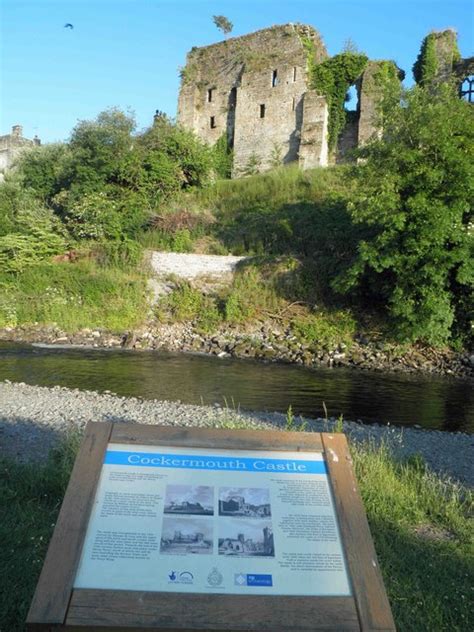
[{"x": 127, "y": 53}]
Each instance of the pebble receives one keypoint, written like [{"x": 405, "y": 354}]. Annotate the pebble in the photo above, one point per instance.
[{"x": 33, "y": 419}]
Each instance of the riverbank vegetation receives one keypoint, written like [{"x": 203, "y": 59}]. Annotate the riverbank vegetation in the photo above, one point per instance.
[
  {"x": 420, "y": 525},
  {"x": 383, "y": 248}
]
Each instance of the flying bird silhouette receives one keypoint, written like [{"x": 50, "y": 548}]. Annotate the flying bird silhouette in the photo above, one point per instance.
[{"x": 69, "y": 26}]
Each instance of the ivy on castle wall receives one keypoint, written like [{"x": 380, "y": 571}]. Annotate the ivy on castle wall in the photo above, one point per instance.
[
  {"x": 426, "y": 67},
  {"x": 382, "y": 79},
  {"x": 333, "y": 78}
]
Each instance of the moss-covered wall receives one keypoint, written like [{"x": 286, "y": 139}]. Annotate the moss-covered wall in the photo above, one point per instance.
[{"x": 438, "y": 54}]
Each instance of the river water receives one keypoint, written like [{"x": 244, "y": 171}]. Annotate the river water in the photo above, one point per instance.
[{"x": 431, "y": 401}]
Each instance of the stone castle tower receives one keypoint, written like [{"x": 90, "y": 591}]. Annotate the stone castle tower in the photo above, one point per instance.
[{"x": 254, "y": 90}]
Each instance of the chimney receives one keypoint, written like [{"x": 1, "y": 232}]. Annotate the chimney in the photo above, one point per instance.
[
  {"x": 36, "y": 140},
  {"x": 17, "y": 130}
]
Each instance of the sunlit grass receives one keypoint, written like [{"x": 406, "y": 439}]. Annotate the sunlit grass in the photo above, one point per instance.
[{"x": 73, "y": 296}]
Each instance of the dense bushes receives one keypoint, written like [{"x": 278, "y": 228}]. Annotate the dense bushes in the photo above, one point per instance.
[
  {"x": 102, "y": 187},
  {"x": 414, "y": 197}
]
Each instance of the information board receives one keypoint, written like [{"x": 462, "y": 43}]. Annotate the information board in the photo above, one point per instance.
[
  {"x": 167, "y": 528},
  {"x": 208, "y": 521}
]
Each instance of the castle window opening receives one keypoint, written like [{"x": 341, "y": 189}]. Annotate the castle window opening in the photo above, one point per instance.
[
  {"x": 293, "y": 103},
  {"x": 212, "y": 122},
  {"x": 274, "y": 78},
  {"x": 209, "y": 95},
  {"x": 233, "y": 98},
  {"x": 294, "y": 74},
  {"x": 467, "y": 89},
  {"x": 262, "y": 110}
]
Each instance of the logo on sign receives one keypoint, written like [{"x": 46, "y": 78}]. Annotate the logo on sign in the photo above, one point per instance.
[
  {"x": 240, "y": 579},
  {"x": 243, "y": 579},
  {"x": 185, "y": 577},
  {"x": 215, "y": 578}
]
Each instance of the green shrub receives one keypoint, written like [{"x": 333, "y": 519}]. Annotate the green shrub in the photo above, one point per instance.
[
  {"x": 120, "y": 253},
  {"x": 95, "y": 216},
  {"x": 222, "y": 158},
  {"x": 413, "y": 197},
  {"x": 326, "y": 329},
  {"x": 42, "y": 168}
]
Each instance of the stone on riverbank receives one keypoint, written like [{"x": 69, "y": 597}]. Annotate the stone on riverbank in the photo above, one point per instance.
[{"x": 33, "y": 419}]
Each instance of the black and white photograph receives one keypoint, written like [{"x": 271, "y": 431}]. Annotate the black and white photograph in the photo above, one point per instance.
[
  {"x": 197, "y": 500},
  {"x": 246, "y": 538},
  {"x": 183, "y": 536},
  {"x": 250, "y": 502}
]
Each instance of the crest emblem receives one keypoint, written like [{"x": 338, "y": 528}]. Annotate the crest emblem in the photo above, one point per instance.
[{"x": 215, "y": 578}]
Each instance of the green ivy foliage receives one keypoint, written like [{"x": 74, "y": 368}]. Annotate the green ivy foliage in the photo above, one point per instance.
[
  {"x": 332, "y": 78},
  {"x": 426, "y": 66},
  {"x": 413, "y": 195},
  {"x": 222, "y": 158}
]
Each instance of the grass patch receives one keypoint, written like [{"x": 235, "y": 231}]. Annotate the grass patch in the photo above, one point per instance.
[
  {"x": 420, "y": 525},
  {"x": 250, "y": 297},
  {"x": 186, "y": 303},
  {"x": 30, "y": 498},
  {"x": 73, "y": 296},
  {"x": 422, "y": 529},
  {"x": 325, "y": 329}
]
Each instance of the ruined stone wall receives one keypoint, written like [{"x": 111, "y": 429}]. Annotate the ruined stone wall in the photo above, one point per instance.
[
  {"x": 368, "y": 99},
  {"x": 250, "y": 88},
  {"x": 269, "y": 117},
  {"x": 11, "y": 145},
  {"x": 313, "y": 151},
  {"x": 348, "y": 140},
  {"x": 255, "y": 90}
]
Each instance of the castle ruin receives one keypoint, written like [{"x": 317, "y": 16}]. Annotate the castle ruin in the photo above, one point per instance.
[
  {"x": 255, "y": 90},
  {"x": 11, "y": 145}
]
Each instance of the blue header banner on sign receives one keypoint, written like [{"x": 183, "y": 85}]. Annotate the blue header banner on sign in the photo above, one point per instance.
[{"x": 221, "y": 463}]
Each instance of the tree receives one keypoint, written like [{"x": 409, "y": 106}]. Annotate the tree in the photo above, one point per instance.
[
  {"x": 223, "y": 23},
  {"x": 414, "y": 197}
]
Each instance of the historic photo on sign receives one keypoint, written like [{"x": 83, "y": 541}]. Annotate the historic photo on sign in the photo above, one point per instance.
[
  {"x": 189, "y": 499},
  {"x": 248, "y": 502},
  {"x": 246, "y": 538},
  {"x": 182, "y": 536}
]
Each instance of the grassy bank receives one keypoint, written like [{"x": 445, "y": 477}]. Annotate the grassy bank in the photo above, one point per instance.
[
  {"x": 73, "y": 296},
  {"x": 420, "y": 525}
]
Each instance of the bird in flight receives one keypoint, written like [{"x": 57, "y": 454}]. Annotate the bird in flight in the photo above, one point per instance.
[{"x": 69, "y": 26}]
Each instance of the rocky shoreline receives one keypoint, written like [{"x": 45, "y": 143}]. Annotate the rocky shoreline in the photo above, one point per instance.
[
  {"x": 267, "y": 343},
  {"x": 34, "y": 419}
]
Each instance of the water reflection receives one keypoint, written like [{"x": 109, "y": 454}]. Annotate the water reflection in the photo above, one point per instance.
[{"x": 430, "y": 401}]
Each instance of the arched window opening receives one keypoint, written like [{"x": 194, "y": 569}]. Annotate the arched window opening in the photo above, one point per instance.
[
  {"x": 351, "y": 102},
  {"x": 467, "y": 89}
]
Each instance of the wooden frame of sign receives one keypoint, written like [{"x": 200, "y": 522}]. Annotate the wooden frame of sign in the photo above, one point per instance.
[{"x": 57, "y": 605}]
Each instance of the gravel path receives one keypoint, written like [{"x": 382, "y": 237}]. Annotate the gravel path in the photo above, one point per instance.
[
  {"x": 190, "y": 266},
  {"x": 33, "y": 419}
]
